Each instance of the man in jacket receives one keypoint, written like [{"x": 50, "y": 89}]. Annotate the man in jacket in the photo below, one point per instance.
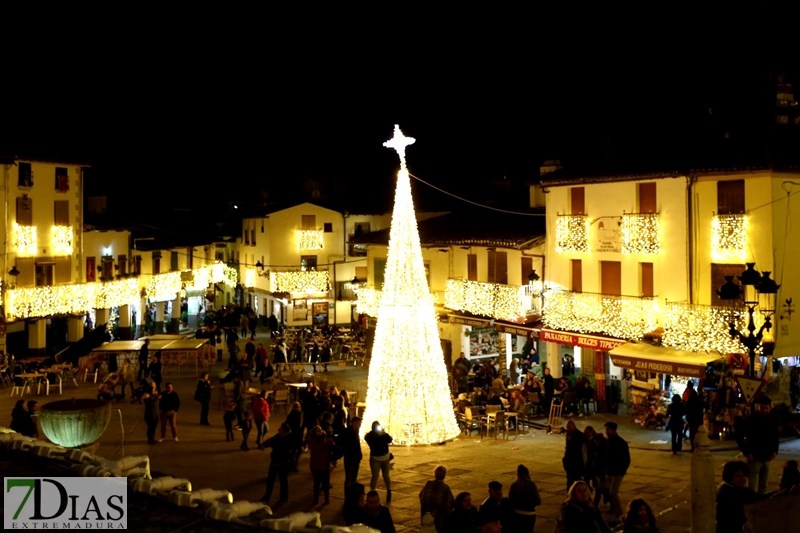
[
  {"x": 261, "y": 417},
  {"x": 280, "y": 463},
  {"x": 350, "y": 443},
  {"x": 618, "y": 459},
  {"x": 760, "y": 444},
  {"x": 437, "y": 499},
  {"x": 169, "y": 405}
]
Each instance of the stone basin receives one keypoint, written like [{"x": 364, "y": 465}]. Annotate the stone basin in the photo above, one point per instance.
[{"x": 74, "y": 423}]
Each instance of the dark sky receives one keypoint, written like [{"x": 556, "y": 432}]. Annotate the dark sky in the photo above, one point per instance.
[{"x": 194, "y": 116}]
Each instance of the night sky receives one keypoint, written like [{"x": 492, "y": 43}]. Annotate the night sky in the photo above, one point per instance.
[{"x": 193, "y": 121}]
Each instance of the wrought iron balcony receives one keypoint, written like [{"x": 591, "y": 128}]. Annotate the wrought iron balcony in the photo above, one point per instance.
[
  {"x": 623, "y": 317},
  {"x": 640, "y": 233},
  {"x": 572, "y": 233},
  {"x": 702, "y": 328},
  {"x": 506, "y": 302}
]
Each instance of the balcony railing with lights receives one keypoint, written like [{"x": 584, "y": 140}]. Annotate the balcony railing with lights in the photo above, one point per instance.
[
  {"x": 572, "y": 233},
  {"x": 61, "y": 240},
  {"x": 640, "y": 233},
  {"x": 310, "y": 239},
  {"x": 729, "y": 238},
  {"x": 25, "y": 240},
  {"x": 505, "y": 302},
  {"x": 702, "y": 328},
  {"x": 369, "y": 300},
  {"x": 623, "y": 317},
  {"x": 300, "y": 281}
]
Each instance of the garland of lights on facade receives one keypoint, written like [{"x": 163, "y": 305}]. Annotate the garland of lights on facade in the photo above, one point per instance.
[
  {"x": 25, "y": 240},
  {"x": 77, "y": 299},
  {"x": 407, "y": 390},
  {"x": 301, "y": 281},
  {"x": 640, "y": 233},
  {"x": 486, "y": 299},
  {"x": 369, "y": 301},
  {"x": 622, "y": 317},
  {"x": 572, "y": 233},
  {"x": 310, "y": 239},
  {"x": 704, "y": 328},
  {"x": 729, "y": 238},
  {"x": 61, "y": 240}
]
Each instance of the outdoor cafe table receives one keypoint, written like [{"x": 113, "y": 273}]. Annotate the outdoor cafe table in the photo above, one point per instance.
[{"x": 29, "y": 379}]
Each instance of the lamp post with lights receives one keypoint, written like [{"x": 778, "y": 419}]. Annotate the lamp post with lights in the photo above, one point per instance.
[{"x": 757, "y": 289}]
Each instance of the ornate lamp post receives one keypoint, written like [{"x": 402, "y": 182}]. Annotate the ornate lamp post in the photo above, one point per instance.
[{"x": 757, "y": 290}]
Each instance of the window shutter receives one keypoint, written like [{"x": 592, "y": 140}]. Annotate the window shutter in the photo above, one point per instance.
[
  {"x": 61, "y": 215},
  {"x": 527, "y": 268},
  {"x": 472, "y": 267},
  {"x": 578, "y": 200},
  {"x": 647, "y": 198},
  {"x": 577, "y": 275},
  {"x": 63, "y": 269},
  {"x": 502, "y": 268},
  {"x": 24, "y": 211}
]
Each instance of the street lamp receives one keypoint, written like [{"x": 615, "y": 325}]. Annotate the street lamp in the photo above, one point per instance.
[{"x": 757, "y": 290}]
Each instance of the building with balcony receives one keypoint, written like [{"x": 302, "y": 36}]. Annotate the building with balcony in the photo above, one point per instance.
[{"x": 480, "y": 268}]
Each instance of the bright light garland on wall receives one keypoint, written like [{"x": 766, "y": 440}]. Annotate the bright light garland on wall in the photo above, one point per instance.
[
  {"x": 201, "y": 277},
  {"x": 703, "y": 328},
  {"x": 25, "y": 240},
  {"x": 164, "y": 287},
  {"x": 116, "y": 293},
  {"x": 572, "y": 233},
  {"x": 51, "y": 300},
  {"x": 249, "y": 278},
  {"x": 486, "y": 299},
  {"x": 729, "y": 238},
  {"x": 61, "y": 240},
  {"x": 230, "y": 277},
  {"x": 407, "y": 387},
  {"x": 622, "y": 317},
  {"x": 302, "y": 281},
  {"x": 310, "y": 239},
  {"x": 369, "y": 301},
  {"x": 640, "y": 233}
]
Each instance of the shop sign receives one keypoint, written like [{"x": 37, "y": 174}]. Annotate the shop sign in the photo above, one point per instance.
[
  {"x": 475, "y": 322},
  {"x": 516, "y": 330},
  {"x": 659, "y": 366},
  {"x": 584, "y": 341}
]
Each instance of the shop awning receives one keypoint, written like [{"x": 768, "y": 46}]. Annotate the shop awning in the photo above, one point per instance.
[{"x": 649, "y": 358}]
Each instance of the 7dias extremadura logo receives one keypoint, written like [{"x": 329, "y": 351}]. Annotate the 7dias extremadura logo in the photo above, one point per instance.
[{"x": 65, "y": 503}]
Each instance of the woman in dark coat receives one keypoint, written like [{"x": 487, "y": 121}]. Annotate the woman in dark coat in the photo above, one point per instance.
[
  {"x": 733, "y": 495},
  {"x": 573, "y": 454},
  {"x": 18, "y": 416},
  {"x": 295, "y": 422},
  {"x": 151, "y": 412},
  {"x": 675, "y": 414},
  {"x": 464, "y": 518},
  {"x": 579, "y": 514},
  {"x": 155, "y": 371}
]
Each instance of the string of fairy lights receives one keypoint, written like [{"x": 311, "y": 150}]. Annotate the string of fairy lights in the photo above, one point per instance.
[
  {"x": 572, "y": 233},
  {"x": 640, "y": 233},
  {"x": 622, "y": 317},
  {"x": 310, "y": 239},
  {"x": 704, "y": 328},
  {"x": 729, "y": 238},
  {"x": 79, "y": 298},
  {"x": 485, "y": 299}
]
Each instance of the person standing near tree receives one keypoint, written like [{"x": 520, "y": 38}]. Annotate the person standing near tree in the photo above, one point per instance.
[
  {"x": 760, "y": 444},
  {"x": 437, "y": 499},
  {"x": 350, "y": 443}
]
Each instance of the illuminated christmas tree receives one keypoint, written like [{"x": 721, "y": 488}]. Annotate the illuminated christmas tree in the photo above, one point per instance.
[{"x": 408, "y": 390}]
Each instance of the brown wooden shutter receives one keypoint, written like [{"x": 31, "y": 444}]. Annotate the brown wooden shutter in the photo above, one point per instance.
[
  {"x": 718, "y": 273},
  {"x": 730, "y": 197},
  {"x": 527, "y": 268},
  {"x": 24, "y": 211},
  {"x": 501, "y": 272},
  {"x": 309, "y": 222},
  {"x": 27, "y": 271},
  {"x": 647, "y": 198},
  {"x": 491, "y": 263},
  {"x": 63, "y": 269},
  {"x": 472, "y": 267},
  {"x": 647, "y": 280},
  {"x": 61, "y": 215},
  {"x": 577, "y": 275},
  {"x": 578, "y": 200},
  {"x": 122, "y": 261},
  {"x": 611, "y": 272}
]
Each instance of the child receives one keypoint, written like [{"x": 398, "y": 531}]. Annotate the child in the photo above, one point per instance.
[
  {"x": 247, "y": 425},
  {"x": 228, "y": 417}
]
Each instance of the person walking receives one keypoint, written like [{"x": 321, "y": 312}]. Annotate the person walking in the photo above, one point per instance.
[
  {"x": 675, "y": 413},
  {"x": 203, "y": 395},
  {"x": 320, "y": 445},
  {"x": 437, "y": 499},
  {"x": 497, "y": 507},
  {"x": 150, "y": 400},
  {"x": 379, "y": 457},
  {"x": 760, "y": 444},
  {"x": 143, "y": 357},
  {"x": 350, "y": 444},
  {"x": 155, "y": 370},
  {"x": 694, "y": 409},
  {"x": 618, "y": 460},
  {"x": 169, "y": 405},
  {"x": 573, "y": 454},
  {"x": 280, "y": 463},
  {"x": 261, "y": 417},
  {"x": 524, "y": 496},
  {"x": 247, "y": 427},
  {"x": 227, "y": 419}
]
